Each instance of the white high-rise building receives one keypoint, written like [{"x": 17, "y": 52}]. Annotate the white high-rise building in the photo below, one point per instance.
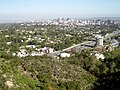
[{"x": 99, "y": 40}]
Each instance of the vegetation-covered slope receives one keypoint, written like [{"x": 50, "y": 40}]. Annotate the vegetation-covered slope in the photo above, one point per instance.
[
  {"x": 42, "y": 73},
  {"x": 79, "y": 72}
]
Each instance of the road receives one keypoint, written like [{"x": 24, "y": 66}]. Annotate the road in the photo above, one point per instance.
[
  {"x": 89, "y": 44},
  {"x": 114, "y": 43},
  {"x": 112, "y": 34}
]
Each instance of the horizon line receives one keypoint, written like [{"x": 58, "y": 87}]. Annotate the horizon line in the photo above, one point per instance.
[{"x": 43, "y": 19}]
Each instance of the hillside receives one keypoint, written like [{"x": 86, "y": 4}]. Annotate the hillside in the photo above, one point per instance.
[
  {"x": 79, "y": 72},
  {"x": 42, "y": 73}
]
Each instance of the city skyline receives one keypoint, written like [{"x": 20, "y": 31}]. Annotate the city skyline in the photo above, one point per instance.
[{"x": 12, "y": 10}]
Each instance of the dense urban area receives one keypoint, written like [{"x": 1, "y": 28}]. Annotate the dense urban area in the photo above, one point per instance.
[{"x": 60, "y": 54}]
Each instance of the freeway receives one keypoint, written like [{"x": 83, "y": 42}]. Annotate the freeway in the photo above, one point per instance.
[
  {"x": 81, "y": 46},
  {"x": 112, "y": 34},
  {"x": 89, "y": 44},
  {"x": 114, "y": 43},
  {"x": 78, "y": 45}
]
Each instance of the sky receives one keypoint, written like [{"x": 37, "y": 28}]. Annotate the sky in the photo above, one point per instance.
[{"x": 13, "y": 10}]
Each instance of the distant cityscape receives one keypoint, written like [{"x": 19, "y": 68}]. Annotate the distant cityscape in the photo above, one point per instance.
[
  {"x": 44, "y": 37},
  {"x": 72, "y": 22}
]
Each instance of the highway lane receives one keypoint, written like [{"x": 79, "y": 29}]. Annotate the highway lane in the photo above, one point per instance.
[{"x": 89, "y": 44}]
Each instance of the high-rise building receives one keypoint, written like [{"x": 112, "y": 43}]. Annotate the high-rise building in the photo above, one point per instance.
[{"x": 99, "y": 40}]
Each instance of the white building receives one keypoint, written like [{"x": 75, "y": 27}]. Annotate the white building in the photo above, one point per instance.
[
  {"x": 22, "y": 53},
  {"x": 99, "y": 56},
  {"x": 99, "y": 40},
  {"x": 8, "y": 43},
  {"x": 63, "y": 55},
  {"x": 30, "y": 46},
  {"x": 47, "y": 50}
]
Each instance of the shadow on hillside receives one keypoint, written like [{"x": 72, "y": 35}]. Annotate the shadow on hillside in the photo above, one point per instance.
[{"x": 108, "y": 82}]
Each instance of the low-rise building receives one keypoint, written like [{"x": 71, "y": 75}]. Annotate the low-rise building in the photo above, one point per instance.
[
  {"x": 63, "y": 55},
  {"x": 98, "y": 55}
]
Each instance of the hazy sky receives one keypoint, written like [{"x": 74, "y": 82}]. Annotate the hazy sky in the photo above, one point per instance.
[{"x": 44, "y": 9}]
